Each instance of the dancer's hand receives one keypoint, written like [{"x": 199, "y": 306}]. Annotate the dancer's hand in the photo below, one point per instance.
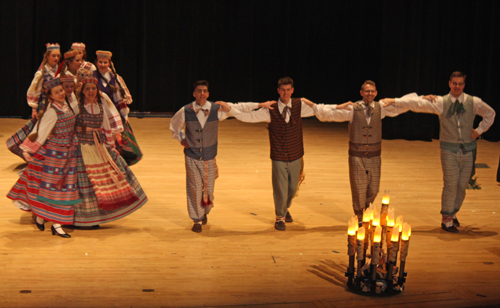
[
  {"x": 474, "y": 134},
  {"x": 430, "y": 97},
  {"x": 307, "y": 102},
  {"x": 388, "y": 101},
  {"x": 344, "y": 105},
  {"x": 184, "y": 143},
  {"x": 27, "y": 156},
  {"x": 33, "y": 113},
  {"x": 224, "y": 106},
  {"x": 267, "y": 104}
]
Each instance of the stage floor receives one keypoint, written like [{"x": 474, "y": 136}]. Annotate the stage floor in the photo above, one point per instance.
[{"x": 153, "y": 259}]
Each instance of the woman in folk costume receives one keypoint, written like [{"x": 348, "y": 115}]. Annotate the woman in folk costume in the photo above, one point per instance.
[
  {"x": 71, "y": 64},
  {"x": 68, "y": 84},
  {"x": 48, "y": 185},
  {"x": 112, "y": 84},
  {"x": 108, "y": 188},
  {"x": 80, "y": 47},
  {"x": 36, "y": 95}
]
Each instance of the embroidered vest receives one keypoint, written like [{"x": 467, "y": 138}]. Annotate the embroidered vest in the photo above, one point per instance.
[
  {"x": 202, "y": 141},
  {"x": 365, "y": 140},
  {"x": 286, "y": 138}
]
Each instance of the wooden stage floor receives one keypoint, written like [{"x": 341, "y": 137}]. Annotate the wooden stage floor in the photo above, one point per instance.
[{"x": 239, "y": 259}]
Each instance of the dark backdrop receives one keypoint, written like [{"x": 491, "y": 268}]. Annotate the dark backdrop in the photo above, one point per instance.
[{"x": 329, "y": 48}]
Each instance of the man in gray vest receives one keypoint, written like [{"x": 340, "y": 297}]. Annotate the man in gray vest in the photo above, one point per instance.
[
  {"x": 365, "y": 141},
  {"x": 195, "y": 126},
  {"x": 457, "y": 138}
]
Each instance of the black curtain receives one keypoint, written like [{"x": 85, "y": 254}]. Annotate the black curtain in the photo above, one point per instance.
[{"x": 329, "y": 48}]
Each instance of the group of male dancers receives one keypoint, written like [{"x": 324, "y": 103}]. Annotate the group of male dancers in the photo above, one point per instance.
[{"x": 195, "y": 126}]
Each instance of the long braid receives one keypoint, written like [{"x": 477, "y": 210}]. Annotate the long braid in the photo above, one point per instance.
[
  {"x": 81, "y": 106},
  {"x": 122, "y": 91},
  {"x": 43, "y": 72},
  {"x": 39, "y": 116}
]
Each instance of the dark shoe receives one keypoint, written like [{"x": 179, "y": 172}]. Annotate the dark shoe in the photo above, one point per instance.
[
  {"x": 288, "y": 217},
  {"x": 280, "y": 225},
  {"x": 196, "y": 228},
  {"x": 95, "y": 227},
  {"x": 204, "y": 220},
  {"x": 456, "y": 224},
  {"x": 40, "y": 227},
  {"x": 451, "y": 229},
  {"x": 54, "y": 232}
]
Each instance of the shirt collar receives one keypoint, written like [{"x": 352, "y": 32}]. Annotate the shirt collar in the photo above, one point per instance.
[
  {"x": 460, "y": 98},
  {"x": 288, "y": 104},
  {"x": 207, "y": 106}
]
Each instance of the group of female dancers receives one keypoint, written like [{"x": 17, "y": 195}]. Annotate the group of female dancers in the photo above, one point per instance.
[{"x": 78, "y": 144}]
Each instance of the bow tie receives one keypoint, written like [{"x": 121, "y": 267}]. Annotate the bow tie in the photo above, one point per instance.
[
  {"x": 456, "y": 107},
  {"x": 197, "y": 110},
  {"x": 368, "y": 107}
]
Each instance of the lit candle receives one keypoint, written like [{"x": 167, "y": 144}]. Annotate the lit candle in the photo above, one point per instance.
[
  {"x": 405, "y": 243},
  {"x": 395, "y": 234},
  {"x": 376, "y": 219},
  {"x": 390, "y": 218},
  {"x": 386, "y": 198}
]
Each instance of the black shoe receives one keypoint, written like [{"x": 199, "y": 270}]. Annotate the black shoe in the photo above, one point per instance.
[
  {"x": 288, "y": 217},
  {"x": 196, "y": 228},
  {"x": 456, "y": 224},
  {"x": 280, "y": 225},
  {"x": 204, "y": 220},
  {"x": 54, "y": 232},
  {"x": 451, "y": 229},
  {"x": 95, "y": 227},
  {"x": 40, "y": 227}
]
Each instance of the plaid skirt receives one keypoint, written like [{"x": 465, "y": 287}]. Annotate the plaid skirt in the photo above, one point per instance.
[
  {"x": 48, "y": 185},
  {"x": 108, "y": 188},
  {"x": 19, "y": 136}
]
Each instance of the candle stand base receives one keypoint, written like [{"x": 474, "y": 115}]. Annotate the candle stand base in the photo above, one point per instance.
[{"x": 365, "y": 285}]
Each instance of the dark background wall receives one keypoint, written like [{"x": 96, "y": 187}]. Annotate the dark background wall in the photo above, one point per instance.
[{"x": 329, "y": 48}]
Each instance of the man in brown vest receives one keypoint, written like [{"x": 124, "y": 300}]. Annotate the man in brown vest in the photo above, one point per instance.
[
  {"x": 287, "y": 149},
  {"x": 365, "y": 136}
]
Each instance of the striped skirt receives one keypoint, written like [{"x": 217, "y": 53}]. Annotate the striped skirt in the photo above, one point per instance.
[
  {"x": 108, "y": 188},
  {"x": 19, "y": 136},
  {"x": 48, "y": 185}
]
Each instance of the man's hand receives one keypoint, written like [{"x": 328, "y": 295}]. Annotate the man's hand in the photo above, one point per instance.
[
  {"x": 307, "y": 102},
  {"x": 267, "y": 104},
  {"x": 184, "y": 143},
  {"x": 388, "y": 101},
  {"x": 430, "y": 97},
  {"x": 27, "y": 156},
  {"x": 344, "y": 105},
  {"x": 224, "y": 106},
  {"x": 33, "y": 113},
  {"x": 474, "y": 135}
]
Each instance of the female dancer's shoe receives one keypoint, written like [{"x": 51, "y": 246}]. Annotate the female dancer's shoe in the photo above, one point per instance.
[{"x": 54, "y": 232}]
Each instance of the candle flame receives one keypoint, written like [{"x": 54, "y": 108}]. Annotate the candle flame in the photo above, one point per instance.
[
  {"x": 390, "y": 218},
  {"x": 376, "y": 219},
  {"x": 352, "y": 226},
  {"x": 395, "y": 235},
  {"x": 378, "y": 234},
  {"x": 406, "y": 230},
  {"x": 366, "y": 215},
  {"x": 409, "y": 230},
  {"x": 386, "y": 198},
  {"x": 361, "y": 234},
  {"x": 399, "y": 222}
]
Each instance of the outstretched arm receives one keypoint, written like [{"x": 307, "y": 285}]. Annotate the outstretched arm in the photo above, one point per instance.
[
  {"x": 416, "y": 103},
  {"x": 329, "y": 113}
]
